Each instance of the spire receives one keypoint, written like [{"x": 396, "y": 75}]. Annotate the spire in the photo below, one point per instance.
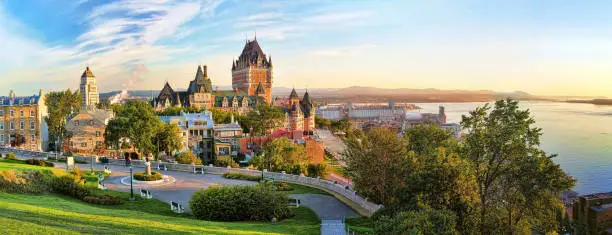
[
  {"x": 199, "y": 73},
  {"x": 306, "y": 99},
  {"x": 87, "y": 73},
  {"x": 270, "y": 60},
  {"x": 293, "y": 94}
]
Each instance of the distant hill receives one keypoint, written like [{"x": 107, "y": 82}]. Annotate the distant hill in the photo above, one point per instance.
[{"x": 373, "y": 94}]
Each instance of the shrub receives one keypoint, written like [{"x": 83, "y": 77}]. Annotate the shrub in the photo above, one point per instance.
[
  {"x": 187, "y": 158},
  {"x": 70, "y": 185},
  {"x": 102, "y": 199},
  {"x": 240, "y": 176},
  {"x": 37, "y": 162},
  {"x": 239, "y": 203},
  {"x": 422, "y": 221},
  {"x": 77, "y": 172},
  {"x": 318, "y": 170},
  {"x": 12, "y": 181},
  {"x": 282, "y": 186},
  {"x": 142, "y": 176},
  {"x": 224, "y": 161},
  {"x": 11, "y": 156}
]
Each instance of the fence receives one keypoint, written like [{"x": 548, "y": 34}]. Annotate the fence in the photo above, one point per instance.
[{"x": 351, "y": 195}]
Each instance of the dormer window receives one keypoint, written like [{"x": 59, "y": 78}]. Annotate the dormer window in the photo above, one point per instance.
[
  {"x": 76, "y": 123},
  {"x": 31, "y": 100}
]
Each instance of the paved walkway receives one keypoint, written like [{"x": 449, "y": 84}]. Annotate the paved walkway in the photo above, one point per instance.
[
  {"x": 332, "y": 227},
  {"x": 326, "y": 207}
]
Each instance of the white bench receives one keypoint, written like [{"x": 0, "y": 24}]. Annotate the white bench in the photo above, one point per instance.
[
  {"x": 162, "y": 166},
  {"x": 102, "y": 187},
  {"x": 176, "y": 207},
  {"x": 145, "y": 194},
  {"x": 199, "y": 170}
]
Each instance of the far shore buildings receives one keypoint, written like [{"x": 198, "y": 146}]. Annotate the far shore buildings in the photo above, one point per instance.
[{"x": 22, "y": 122}]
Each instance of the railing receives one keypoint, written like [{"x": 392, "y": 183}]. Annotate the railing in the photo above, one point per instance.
[{"x": 313, "y": 182}]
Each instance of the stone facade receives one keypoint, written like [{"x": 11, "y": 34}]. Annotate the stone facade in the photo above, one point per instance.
[
  {"x": 22, "y": 122},
  {"x": 197, "y": 132},
  {"x": 89, "y": 90},
  {"x": 87, "y": 129}
]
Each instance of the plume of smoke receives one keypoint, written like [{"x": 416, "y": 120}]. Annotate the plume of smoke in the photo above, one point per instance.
[{"x": 139, "y": 70}]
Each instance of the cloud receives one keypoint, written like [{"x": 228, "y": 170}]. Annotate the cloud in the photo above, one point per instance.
[{"x": 338, "y": 17}]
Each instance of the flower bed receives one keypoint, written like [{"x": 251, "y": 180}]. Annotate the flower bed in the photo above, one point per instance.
[{"x": 142, "y": 176}]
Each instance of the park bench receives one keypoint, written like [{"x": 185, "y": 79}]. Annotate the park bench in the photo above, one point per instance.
[
  {"x": 107, "y": 170},
  {"x": 199, "y": 170},
  {"x": 174, "y": 206},
  {"x": 162, "y": 167},
  {"x": 294, "y": 202},
  {"x": 145, "y": 194}
]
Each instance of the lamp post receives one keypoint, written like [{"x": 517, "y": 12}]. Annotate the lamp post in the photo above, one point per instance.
[{"x": 131, "y": 182}]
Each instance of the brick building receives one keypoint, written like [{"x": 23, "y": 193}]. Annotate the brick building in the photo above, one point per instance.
[
  {"x": 22, "y": 122},
  {"x": 592, "y": 214},
  {"x": 87, "y": 129}
]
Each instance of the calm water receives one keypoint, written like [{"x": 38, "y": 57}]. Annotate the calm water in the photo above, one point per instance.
[{"x": 581, "y": 134}]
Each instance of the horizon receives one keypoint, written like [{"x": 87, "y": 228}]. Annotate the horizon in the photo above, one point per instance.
[{"x": 558, "y": 49}]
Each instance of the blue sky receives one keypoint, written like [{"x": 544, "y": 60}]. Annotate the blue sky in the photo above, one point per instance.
[{"x": 542, "y": 47}]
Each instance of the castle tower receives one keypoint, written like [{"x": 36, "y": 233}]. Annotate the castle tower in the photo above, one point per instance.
[
  {"x": 89, "y": 90},
  {"x": 251, "y": 69},
  {"x": 293, "y": 98}
]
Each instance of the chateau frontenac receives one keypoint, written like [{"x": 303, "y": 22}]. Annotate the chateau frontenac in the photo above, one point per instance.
[{"x": 252, "y": 78}]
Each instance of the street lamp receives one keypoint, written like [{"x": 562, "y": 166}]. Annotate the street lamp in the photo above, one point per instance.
[{"x": 131, "y": 182}]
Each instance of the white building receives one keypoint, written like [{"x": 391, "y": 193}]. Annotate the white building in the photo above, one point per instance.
[{"x": 89, "y": 90}]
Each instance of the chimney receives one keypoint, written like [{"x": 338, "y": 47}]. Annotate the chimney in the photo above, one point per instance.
[{"x": 216, "y": 89}]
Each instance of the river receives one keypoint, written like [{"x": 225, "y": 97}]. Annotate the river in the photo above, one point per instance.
[{"x": 581, "y": 135}]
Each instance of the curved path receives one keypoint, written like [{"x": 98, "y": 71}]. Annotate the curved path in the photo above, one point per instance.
[{"x": 325, "y": 206}]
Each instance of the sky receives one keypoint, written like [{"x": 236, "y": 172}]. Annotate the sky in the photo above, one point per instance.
[{"x": 547, "y": 47}]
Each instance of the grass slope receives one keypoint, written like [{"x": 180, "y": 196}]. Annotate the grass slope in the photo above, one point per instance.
[{"x": 56, "y": 214}]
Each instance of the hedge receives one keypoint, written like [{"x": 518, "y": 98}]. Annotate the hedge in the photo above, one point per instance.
[
  {"x": 240, "y": 176},
  {"x": 103, "y": 199},
  {"x": 37, "y": 162},
  {"x": 142, "y": 176},
  {"x": 10, "y": 156},
  {"x": 239, "y": 203}
]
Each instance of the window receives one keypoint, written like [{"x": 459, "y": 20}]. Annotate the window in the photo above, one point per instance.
[
  {"x": 32, "y": 112},
  {"x": 99, "y": 143},
  {"x": 21, "y": 113},
  {"x": 12, "y": 125},
  {"x": 32, "y": 125},
  {"x": 12, "y": 113},
  {"x": 33, "y": 138},
  {"x": 1, "y": 113},
  {"x": 1, "y": 138},
  {"x": 83, "y": 144},
  {"x": 21, "y": 125},
  {"x": 1, "y": 125},
  {"x": 91, "y": 122},
  {"x": 97, "y": 133},
  {"x": 76, "y": 123}
]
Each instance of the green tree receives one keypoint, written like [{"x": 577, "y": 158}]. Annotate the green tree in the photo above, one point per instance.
[
  {"x": 422, "y": 221},
  {"x": 425, "y": 139},
  {"x": 167, "y": 139},
  {"x": 379, "y": 164},
  {"x": 60, "y": 105},
  {"x": 516, "y": 180},
  {"x": 322, "y": 122},
  {"x": 282, "y": 155},
  {"x": 136, "y": 121},
  {"x": 264, "y": 118}
]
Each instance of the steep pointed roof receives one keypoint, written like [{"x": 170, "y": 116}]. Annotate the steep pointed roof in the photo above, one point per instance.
[
  {"x": 259, "y": 89},
  {"x": 251, "y": 50},
  {"x": 306, "y": 98},
  {"x": 167, "y": 89},
  {"x": 201, "y": 82},
  {"x": 293, "y": 94},
  {"x": 87, "y": 73}
]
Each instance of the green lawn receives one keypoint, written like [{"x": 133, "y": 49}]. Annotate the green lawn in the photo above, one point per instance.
[
  {"x": 302, "y": 189},
  {"x": 57, "y": 214},
  {"x": 6, "y": 164}
]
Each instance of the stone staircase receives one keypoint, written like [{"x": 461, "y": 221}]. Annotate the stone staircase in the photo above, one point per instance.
[{"x": 332, "y": 227}]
